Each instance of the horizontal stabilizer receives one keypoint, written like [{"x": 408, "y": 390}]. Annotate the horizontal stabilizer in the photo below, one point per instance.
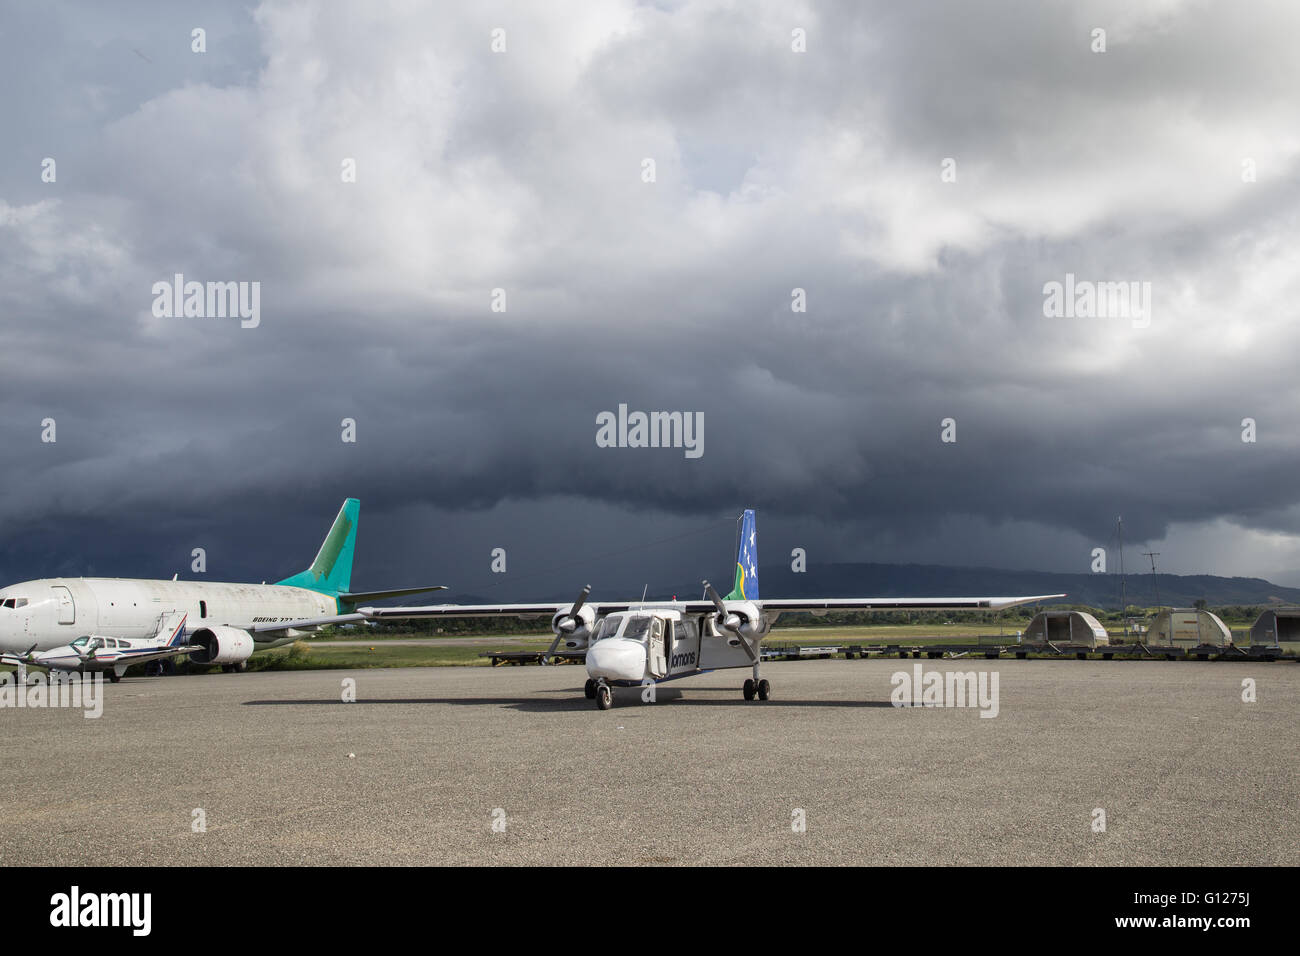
[{"x": 356, "y": 597}]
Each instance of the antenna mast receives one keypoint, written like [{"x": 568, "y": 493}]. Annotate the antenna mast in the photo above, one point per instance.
[
  {"x": 1123, "y": 594},
  {"x": 1155, "y": 583}
]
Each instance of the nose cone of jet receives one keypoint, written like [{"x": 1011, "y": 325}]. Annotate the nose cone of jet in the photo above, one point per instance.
[{"x": 616, "y": 659}]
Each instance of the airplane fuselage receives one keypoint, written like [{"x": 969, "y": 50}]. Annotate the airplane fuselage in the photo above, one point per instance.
[
  {"x": 659, "y": 643},
  {"x": 54, "y": 611}
]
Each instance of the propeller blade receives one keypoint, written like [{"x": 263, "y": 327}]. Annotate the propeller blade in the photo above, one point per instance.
[
  {"x": 566, "y": 624},
  {"x": 725, "y": 619},
  {"x": 551, "y": 650},
  {"x": 715, "y": 597},
  {"x": 582, "y": 599}
]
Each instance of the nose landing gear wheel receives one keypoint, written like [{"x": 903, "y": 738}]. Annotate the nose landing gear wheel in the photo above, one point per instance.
[
  {"x": 764, "y": 689},
  {"x": 749, "y": 688},
  {"x": 604, "y": 697},
  {"x": 589, "y": 689}
]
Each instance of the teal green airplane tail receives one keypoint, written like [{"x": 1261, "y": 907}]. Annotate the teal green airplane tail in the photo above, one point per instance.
[{"x": 331, "y": 572}]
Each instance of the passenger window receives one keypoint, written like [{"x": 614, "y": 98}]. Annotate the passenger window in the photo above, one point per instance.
[{"x": 203, "y": 609}]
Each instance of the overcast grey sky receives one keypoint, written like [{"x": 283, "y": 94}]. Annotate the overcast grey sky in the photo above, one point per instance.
[{"x": 1170, "y": 159}]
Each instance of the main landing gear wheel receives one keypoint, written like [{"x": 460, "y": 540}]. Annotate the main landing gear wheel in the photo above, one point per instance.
[
  {"x": 114, "y": 676},
  {"x": 764, "y": 689},
  {"x": 589, "y": 689},
  {"x": 749, "y": 688},
  {"x": 604, "y": 697}
]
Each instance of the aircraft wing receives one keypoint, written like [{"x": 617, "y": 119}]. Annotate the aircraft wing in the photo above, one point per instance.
[
  {"x": 525, "y": 611},
  {"x": 701, "y": 607},
  {"x": 902, "y": 603},
  {"x": 473, "y": 610},
  {"x": 131, "y": 657},
  {"x": 153, "y": 654},
  {"x": 309, "y": 622}
]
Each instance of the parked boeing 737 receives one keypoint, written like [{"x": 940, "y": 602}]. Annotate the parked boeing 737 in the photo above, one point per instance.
[
  {"x": 635, "y": 643},
  {"x": 225, "y": 623}
]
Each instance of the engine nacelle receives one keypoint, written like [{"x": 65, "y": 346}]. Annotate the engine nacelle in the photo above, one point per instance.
[
  {"x": 584, "y": 622},
  {"x": 222, "y": 645},
  {"x": 742, "y": 615}
]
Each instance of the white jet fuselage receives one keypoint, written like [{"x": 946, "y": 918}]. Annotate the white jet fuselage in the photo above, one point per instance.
[{"x": 54, "y": 611}]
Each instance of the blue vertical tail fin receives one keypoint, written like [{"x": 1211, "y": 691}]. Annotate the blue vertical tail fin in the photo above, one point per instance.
[{"x": 746, "y": 585}]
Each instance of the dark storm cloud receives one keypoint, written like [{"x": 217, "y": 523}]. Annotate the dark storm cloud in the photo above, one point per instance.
[{"x": 775, "y": 170}]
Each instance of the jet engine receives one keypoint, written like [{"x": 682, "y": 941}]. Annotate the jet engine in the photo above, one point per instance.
[{"x": 222, "y": 645}]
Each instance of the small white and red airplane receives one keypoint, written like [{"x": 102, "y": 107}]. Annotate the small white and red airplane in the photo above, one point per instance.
[
  {"x": 630, "y": 644},
  {"x": 111, "y": 655}
]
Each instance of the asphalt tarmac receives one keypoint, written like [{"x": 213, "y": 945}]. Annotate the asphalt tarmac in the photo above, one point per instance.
[{"x": 422, "y": 765}]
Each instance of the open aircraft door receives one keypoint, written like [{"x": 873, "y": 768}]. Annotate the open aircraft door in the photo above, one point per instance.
[
  {"x": 67, "y": 609},
  {"x": 658, "y": 659}
]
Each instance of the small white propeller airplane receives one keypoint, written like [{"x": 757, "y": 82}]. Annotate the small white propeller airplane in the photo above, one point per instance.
[
  {"x": 112, "y": 655},
  {"x": 633, "y": 643}
]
